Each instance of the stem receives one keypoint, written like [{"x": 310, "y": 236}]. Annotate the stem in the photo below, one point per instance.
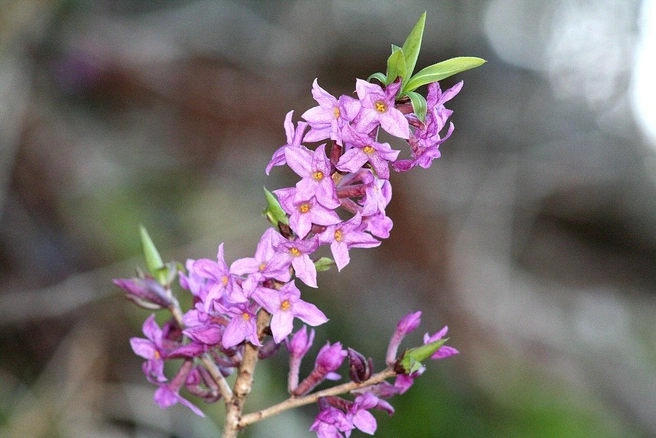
[
  {"x": 294, "y": 402},
  {"x": 244, "y": 381}
]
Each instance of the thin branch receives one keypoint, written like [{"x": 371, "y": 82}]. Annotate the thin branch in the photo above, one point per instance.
[
  {"x": 294, "y": 402},
  {"x": 244, "y": 381}
]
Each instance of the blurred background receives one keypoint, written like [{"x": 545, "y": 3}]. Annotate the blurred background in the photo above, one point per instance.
[{"x": 533, "y": 237}]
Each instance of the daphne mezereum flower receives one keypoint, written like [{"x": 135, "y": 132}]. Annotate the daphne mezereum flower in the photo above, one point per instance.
[
  {"x": 259, "y": 267},
  {"x": 328, "y": 119},
  {"x": 302, "y": 214},
  {"x": 242, "y": 325},
  {"x": 425, "y": 142},
  {"x": 297, "y": 254},
  {"x": 405, "y": 325},
  {"x": 364, "y": 149},
  {"x": 344, "y": 236},
  {"x": 314, "y": 170},
  {"x": 298, "y": 346},
  {"x": 294, "y": 139},
  {"x": 378, "y": 109},
  {"x": 444, "y": 351},
  {"x": 224, "y": 284},
  {"x": 168, "y": 393},
  {"x": 151, "y": 349},
  {"x": 284, "y": 305},
  {"x": 331, "y": 423}
]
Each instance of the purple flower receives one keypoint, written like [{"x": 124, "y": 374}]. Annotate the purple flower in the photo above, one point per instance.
[
  {"x": 298, "y": 347},
  {"x": 151, "y": 349},
  {"x": 302, "y": 214},
  {"x": 364, "y": 149},
  {"x": 224, "y": 285},
  {"x": 425, "y": 141},
  {"x": 194, "y": 282},
  {"x": 296, "y": 252},
  {"x": 314, "y": 168},
  {"x": 242, "y": 326},
  {"x": 406, "y": 325},
  {"x": 444, "y": 351},
  {"x": 285, "y": 305},
  {"x": 359, "y": 415},
  {"x": 145, "y": 292},
  {"x": 294, "y": 139},
  {"x": 328, "y": 360},
  {"x": 259, "y": 267},
  {"x": 378, "y": 195},
  {"x": 347, "y": 235},
  {"x": 328, "y": 119},
  {"x": 378, "y": 108},
  {"x": 330, "y": 423},
  {"x": 168, "y": 394}
]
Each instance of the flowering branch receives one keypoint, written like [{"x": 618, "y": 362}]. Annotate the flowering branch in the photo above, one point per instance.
[{"x": 244, "y": 312}]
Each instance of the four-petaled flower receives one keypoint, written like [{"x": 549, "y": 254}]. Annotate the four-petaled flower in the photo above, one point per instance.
[{"x": 284, "y": 305}]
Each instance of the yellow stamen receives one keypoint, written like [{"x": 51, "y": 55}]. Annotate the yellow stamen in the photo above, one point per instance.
[
  {"x": 338, "y": 235},
  {"x": 304, "y": 207},
  {"x": 261, "y": 267},
  {"x": 285, "y": 305},
  {"x": 368, "y": 149},
  {"x": 245, "y": 316},
  {"x": 295, "y": 252},
  {"x": 381, "y": 107},
  {"x": 224, "y": 280},
  {"x": 336, "y": 112},
  {"x": 318, "y": 175}
]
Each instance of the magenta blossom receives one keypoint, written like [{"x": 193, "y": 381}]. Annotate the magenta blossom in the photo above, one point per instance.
[
  {"x": 378, "y": 108},
  {"x": 302, "y": 214},
  {"x": 294, "y": 139},
  {"x": 348, "y": 234},
  {"x": 297, "y": 254},
  {"x": 314, "y": 168},
  {"x": 328, "y": 119},
  {"x": 285, "y": 305},
  {"x": 151, "y": 349},
  {"x": 444, "y": 351},
  {"x": 364, "y": 149}
]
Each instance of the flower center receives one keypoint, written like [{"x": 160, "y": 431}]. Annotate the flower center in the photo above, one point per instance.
[
  {"x": 336, "y": 112},
  {"x": 224, "y": 280},
  {"x": 381, "y": 106},
  {"x": 318, "y": 175},
  {"x": 157, "y": 355},
  {"x": 295, "y": 252},
  {"x": 304, "y": 207},
  {"x": 285, "y": 305},
  {"x": 339, "y": 235},
  {"x": 369, "y": 149},
  {"x": 261, "y": 267},
  {"x": 245, "y": 316}
]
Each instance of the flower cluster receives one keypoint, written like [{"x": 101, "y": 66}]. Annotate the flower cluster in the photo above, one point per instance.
[{"x": 245, "y": 310}]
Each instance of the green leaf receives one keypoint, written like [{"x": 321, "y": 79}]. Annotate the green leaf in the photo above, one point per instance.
[
  {"x": 274, "y": 212},
  {"x": 378, "y": 76},
  {"x": 324, "y": 264},
  {"x": 153, "y": 259},
  {"x": 418, "y": 105},
  {"x": 412, "y": 45},
  {"x": 442, "y": 70},
  {"x": 411, "y": 360},
  {"x": 395, "y": 66}
]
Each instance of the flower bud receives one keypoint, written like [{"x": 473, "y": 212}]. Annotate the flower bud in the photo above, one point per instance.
[
  {"x": 359, "y": 367},
  {"x": 145, "y": 292}
]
